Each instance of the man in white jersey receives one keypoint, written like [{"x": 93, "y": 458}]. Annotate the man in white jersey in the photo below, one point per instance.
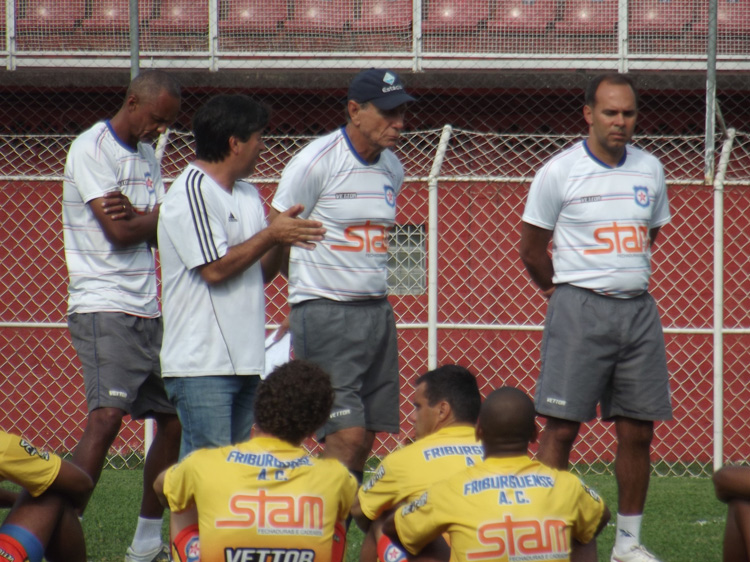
[
  {"x": 340, "y": 318},
  {"x": 111, "y": 196},
  {"x": 216, "y": 252},
  {"x": 602, "y": 203}
]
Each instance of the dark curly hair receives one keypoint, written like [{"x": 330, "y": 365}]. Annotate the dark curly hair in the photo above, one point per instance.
[{"x": 294, "y": 401}]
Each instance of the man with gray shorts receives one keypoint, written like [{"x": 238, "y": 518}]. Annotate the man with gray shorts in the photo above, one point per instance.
[
  {"x": 341, "y": 319},
  {"x": 111, "y": 196},
  {"x": 602, "y": 203}
]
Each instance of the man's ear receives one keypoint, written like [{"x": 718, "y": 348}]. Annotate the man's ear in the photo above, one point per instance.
[
  {"x": 588, "y": 114},
  {"x": 444, "y": 410},
  {"x": 353, "y": 108},
  {"x": 478, "y": 433}
]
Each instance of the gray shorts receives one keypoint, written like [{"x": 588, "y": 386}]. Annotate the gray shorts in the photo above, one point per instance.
[
  {"x": 120, "y": 357},
  {"x": 354, "y": 342},
  {"x": 602, "y": 349}
]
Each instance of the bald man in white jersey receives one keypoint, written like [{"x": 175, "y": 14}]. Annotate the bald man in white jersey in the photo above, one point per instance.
[
  {"x": 340, "y": 317},
  {"x": 602, "y": 203}
]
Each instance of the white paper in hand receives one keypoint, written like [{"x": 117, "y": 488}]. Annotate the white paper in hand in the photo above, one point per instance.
[{"x": 277, "y": 352}]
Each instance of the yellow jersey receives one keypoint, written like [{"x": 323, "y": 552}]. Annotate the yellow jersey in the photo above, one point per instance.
[
  {"x": 404, "y": 474},
  {"x": 262, "y": 500},
  {"x": 504, "y": 509},
  {"x": 25, "y": 465}
]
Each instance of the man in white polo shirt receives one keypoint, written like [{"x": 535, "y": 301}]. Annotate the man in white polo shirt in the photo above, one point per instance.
[
  {"x": 216, "y": 252},
  {"x": 602, "y": 203},
  {"x": 340, "y": 317},
  {"x": 111, "y": 196}
]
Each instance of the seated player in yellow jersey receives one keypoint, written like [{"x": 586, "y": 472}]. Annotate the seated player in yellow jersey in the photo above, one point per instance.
[
  {"x": 266, "y": 498},
  {"x": 508, "y": 507},
  {"x": 43, "y": 522},
  {"x": 446, "y": 405}
]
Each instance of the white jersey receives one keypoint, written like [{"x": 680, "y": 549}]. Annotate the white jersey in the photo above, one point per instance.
[
  {"x": 104, "y": 278},
  {"x": 209, "y": 329},
  {"x": 601, "y": 217},
  {"x": 356, "y": 202}
]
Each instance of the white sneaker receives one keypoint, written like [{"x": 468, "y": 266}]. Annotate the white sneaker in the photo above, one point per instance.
[
  {"x": 637, "y": 553},
  {"x": 160, "y": 554}
]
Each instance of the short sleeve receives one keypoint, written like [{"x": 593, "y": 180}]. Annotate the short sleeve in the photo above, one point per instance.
[
  {"x": 196, "y": 229},
  {"x": 179, "y": 485},
  {"x": 94, "y": 173},
  {"x": 590, "y": 508},
  {"x": 418, "y": 523},
  {"x": 380, "y": 493},
  {"x": 27, "y": 466},
  {"x": 661, "y": 214},
  {"x": 302, "y": 181},
  {"x": 544, "y": 202}
]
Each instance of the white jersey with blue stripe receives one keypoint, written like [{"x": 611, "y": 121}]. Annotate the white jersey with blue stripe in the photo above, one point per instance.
[
  {"x": 601, "y": 217},
  {"x": 105, "y": 278},
  {"x": 356, "y": 202},
  {"x": 214, "y": 329}
]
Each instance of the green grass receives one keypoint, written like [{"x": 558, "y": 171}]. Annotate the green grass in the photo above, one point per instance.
[{"x": 683, "y": 520}]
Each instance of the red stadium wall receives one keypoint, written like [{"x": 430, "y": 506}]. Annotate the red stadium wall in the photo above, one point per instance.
[{"x": 481, "y": 282}]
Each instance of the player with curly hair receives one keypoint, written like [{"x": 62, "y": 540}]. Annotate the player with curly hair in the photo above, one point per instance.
[{"x": 266, "y": 496}]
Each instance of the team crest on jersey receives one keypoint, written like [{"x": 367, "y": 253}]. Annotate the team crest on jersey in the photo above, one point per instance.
[
  {"x": 149, "y": 182},
  {"x": 641, "y": 195},
  {"x": 390, "y": 195},
  {"x": 393, "y": 554},
  {"x": 193, "y": 550}
]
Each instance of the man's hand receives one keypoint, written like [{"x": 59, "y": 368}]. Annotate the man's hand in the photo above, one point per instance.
[
  {"x": 288, "y": 230},
  {"x": 117, "y": 206}
]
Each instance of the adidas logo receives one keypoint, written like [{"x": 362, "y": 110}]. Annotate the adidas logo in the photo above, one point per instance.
[{"x": 232, "y": 218}]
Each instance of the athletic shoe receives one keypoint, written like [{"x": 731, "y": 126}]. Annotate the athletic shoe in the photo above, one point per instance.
[
  {"x": 160, "y": 554},
  {"x": 637, "y": 553}
]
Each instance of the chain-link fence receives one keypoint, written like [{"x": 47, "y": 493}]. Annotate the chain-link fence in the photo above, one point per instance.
[{"x": 507, "y": 75}]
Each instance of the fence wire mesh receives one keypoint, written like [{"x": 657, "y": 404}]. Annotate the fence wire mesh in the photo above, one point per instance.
[{"x": 507, "y": 75}]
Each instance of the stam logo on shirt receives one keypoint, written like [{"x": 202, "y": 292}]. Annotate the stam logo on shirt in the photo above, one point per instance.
[
  {"x": 275, "y": 514},
  {"x": 367, "y": 237},
  {"x": 620, "y": 239},
  {"x": 523, "y": 539}
]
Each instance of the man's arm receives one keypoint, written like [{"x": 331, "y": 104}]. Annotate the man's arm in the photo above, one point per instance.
[
  {"x": 652, "y": 234},
  {"x": 285, "y": 229},
  {"x": 359, "y": 517},
  {"x": 122, "y": 226},
  {"x": 536, "y": 258}
]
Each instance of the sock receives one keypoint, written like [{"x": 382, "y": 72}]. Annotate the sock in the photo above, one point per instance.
[
  {"x": 628, "y": 532},
  {"x": 147, "y": 535}
]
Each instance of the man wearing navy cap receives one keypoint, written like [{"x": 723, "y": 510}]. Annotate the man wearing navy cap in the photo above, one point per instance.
[{"x": 340, "y": 317}]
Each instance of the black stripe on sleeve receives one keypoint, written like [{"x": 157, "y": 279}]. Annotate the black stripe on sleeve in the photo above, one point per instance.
[{"x": 200, "y": 216}]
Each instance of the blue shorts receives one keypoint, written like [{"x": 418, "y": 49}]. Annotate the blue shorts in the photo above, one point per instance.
[{"x": 607, "y": 350}]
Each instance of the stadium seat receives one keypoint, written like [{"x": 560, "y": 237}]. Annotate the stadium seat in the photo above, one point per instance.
[
  {"x": 733, "y": 18},
  {"x": 321, "y": 24},
  {"x": 446, "y": 16},
  {"x": 384, "y": 25},
  {"x": 113, "y": 16},
  {"x": 657, "y": 26},
  {"x": 251, "y": 24},
  {"x": 523, "y": 16},
  {"x": 454, "y": 25},
  {"x": 660, "y": 16},
  {"x": 180, "y": 17},
  {"x": 50, "y": 16},
  {"x": 588, "y": 17}
]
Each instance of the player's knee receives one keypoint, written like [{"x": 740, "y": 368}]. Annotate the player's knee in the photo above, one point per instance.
[{"x": 104, "y": 423}]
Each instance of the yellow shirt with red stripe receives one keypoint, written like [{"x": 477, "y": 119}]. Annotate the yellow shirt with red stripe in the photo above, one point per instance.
[
  {"x": 25, "y": 465},
  {"x": 262, "y": 500},
  {"x": 504, "y": 509},
  {"x": 404, "y": 474}
]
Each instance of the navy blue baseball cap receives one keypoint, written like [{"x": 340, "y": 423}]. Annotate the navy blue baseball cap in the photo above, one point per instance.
[{"x": 383, "y": 88}]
